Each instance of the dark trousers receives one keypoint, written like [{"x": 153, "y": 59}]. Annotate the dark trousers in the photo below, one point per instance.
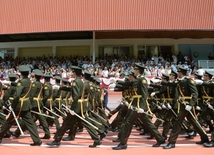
[
  {"x": 42, "y": 121},
  {"x": 72, "y": 120},
  {"x": 28, "y": 121},
  {"x": 131, "y": 117},
  {"x": 178, "y": 123}
]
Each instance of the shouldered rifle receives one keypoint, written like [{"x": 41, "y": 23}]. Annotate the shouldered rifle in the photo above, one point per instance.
[
  {"x": 15, "y": 118},
  {"x": 73, "y": 113},
  {"x": 52, "y": 112},
  {"x": 38, "y": 113}
]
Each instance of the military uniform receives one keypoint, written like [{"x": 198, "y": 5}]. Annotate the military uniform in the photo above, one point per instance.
[
  {"x": 47, "y": 94},
  {"x": 22, "y": 106},
  {"x": 71, "y": 120},
  {"x": 188, "y": 96},
  {"x": 37, "y": 104},
  {"x": 139, "y": 103}
]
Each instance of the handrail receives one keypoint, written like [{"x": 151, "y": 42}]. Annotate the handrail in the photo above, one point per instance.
[{"x": 209, "y": 64}]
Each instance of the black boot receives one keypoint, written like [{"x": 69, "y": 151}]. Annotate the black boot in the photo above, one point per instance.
[
  {"x": 15, "y": 135},
  {"x": 169, "y": 146},
  {"x": 203, "y": 141},
  {"x": 209, "y": 144},
  {"x": 159, "y": 143},
  {"x": 67, "y": 138},
  {"x": 120, "y": 147},
  {"x": 54, "y": 143},
  {"x": 36, "y": 143},
  {"x": 95, "y": 144},
  {"x": 116, "y": 140}
]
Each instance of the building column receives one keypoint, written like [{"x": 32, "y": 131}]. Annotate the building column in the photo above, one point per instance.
[
  {"x": 93, "y": 48},
  {"x": 176, "y": 50},
  {"x": 135, "y": 51},
  {"x": 16, "y": 52},
  {"x": 53, "y": 51}
]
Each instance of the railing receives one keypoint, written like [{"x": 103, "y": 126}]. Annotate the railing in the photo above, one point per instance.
[{"x": 206, "y": 64}]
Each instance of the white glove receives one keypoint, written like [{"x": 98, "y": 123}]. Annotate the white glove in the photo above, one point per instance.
[
  {"x": 210, "y": 106},
  {"x": 139, "y": 110},
  {"x": 199, "y": 82},
  {"x": 198, "y": 108},
  {"x": 159, "y": 107},
  {"x": 163, "y": 106},
  {"x": 169, "y": 106},
  {"x": 4, "y": 107},
  {"x": 152, "y": 94},
  {"x": 10, "y": 108},
  {"x": 56, "y": 87},
  {"x": 156, "y": 80},
  {"x": 72, "y": 112},
  {"x": 188, "y": 107},
  {"x": 121, "y": 102},
  {"x": 126, "y": 103}
]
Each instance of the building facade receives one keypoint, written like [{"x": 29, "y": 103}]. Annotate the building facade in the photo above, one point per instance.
[{"x": 95, "y": 28}]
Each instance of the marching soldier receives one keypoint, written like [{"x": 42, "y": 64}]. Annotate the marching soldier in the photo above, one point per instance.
[
  {"x": 207, "y": 97},
  {"x": 37, "y": 106},
  {"x": 72, "y": 117},
  {"x": 208, "y": 93},
  {"x": 188, "y": 95},
  {"x": 21, "y": 106},
  {"x": 136, "y": 110},
  {"x": 48, "y": 103}
]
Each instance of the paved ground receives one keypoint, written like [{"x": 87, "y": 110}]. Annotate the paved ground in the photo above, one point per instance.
[{"x": 136, "y": 145}]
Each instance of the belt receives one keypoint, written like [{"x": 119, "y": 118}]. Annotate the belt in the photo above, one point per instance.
[
  {"x": 51, "y": 105},
  {"x": 207, "y": 97},
  {"x": 11, "y": 98},
  {"x": 186, "y": 97},
  {"x": 37, "y": 101}
]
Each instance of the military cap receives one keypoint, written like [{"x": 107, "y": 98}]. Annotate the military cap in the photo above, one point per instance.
[
  {"x": 140, "y": 67},
  {"x": 131, "y": 72},
  {"x": 208, "y": 74},
  {"x": 199, "y": 76},
  {"x": 58, "y": 79},
  {"x": 92, "y": 78},
  {"x": 12, "y": 77},
  {"x": 165, "y": 76},
  {"x": 174, "y": 73},
  {"x": 97, "y": 80},
  {"x": 47, "y": 76},
  {"x": 38, "y": 72},
  {"x": 24, "y": 68},
  {"x": 76, "y": 68},
  {"x": 182, "y": 70},
  {"x": 87, "y": 74},
  {"x": 65, "y": 81}
]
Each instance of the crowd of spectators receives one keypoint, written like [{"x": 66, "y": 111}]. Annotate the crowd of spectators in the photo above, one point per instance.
[{"x": 107, "y": 66}]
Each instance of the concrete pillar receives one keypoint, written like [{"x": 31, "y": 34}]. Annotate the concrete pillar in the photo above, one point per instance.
[
  {"x": 93, "y": 48},
  {"x": 16, "y": 52},
  {"x": 53, "y": 51}
]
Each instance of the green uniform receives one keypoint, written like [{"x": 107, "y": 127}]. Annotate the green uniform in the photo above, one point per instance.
[
  {"x": 139, "y": 101},
  {"x": 188, "y": 91},
  {"x": 71, "y": 120},
  {"x": 22, "y": 106},
  {"x": 48, "y": 103}
]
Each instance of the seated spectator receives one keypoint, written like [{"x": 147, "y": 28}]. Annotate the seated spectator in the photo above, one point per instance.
[{"x": 147, "y": 72}]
